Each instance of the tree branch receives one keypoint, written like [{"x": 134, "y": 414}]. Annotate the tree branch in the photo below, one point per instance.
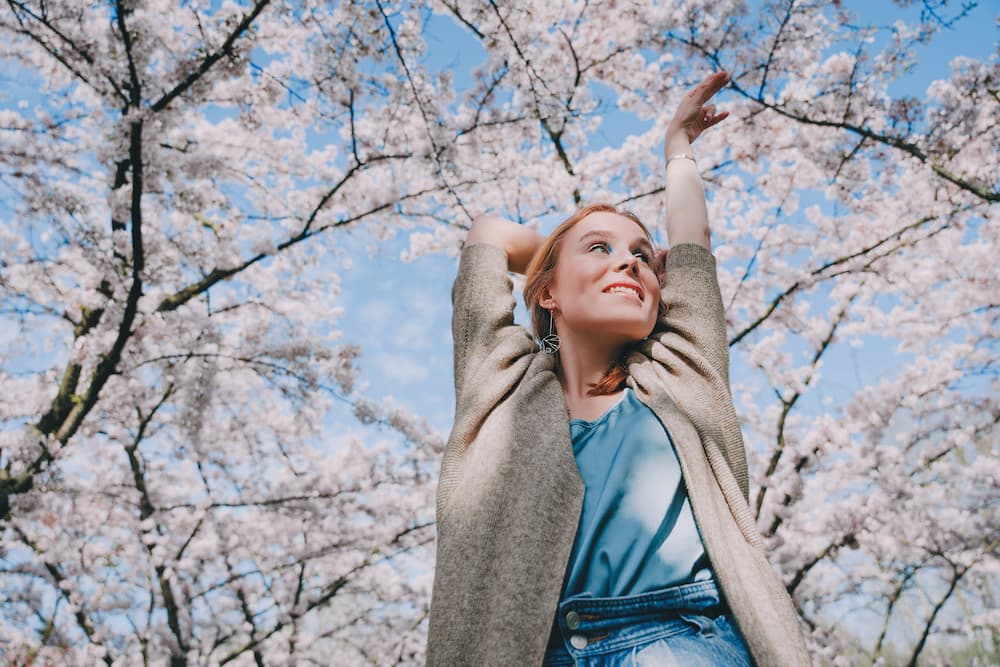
[
  {"x": 182, "y": 296},
  {"x": 787, "y": 405},
  {"x": 818, "y": 272},
  {"x": 330, "y": 592},
  {"x": 55, "y": 53},
  {"x": 146, "y": 511},
  {"x": 225, "y": 50},
  {"x": 898, "y": 143},
  {"x": 59, "y": 579}
]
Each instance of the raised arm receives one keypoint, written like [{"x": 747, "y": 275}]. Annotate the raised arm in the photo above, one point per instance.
[
  {"x": 690, "y": 337},
  {"x": 486, "y": 338},
  {"x": 518, "y": 241},
  {"x": 686, "y": 213},
  {"x": 690, "y": 288}
]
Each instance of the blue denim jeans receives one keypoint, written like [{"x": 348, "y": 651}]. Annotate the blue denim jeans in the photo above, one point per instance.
[{"x": 681, "y": 626}]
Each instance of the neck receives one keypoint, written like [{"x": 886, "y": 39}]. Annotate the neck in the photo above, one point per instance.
[{"x": 583, "y": 361}]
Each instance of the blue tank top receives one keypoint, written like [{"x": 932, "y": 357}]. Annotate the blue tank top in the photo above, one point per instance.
[{"x": 637, "y": 532}]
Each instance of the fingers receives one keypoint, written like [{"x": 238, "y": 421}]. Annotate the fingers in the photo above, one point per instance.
[
  {"x": 708, "y": 116},
  {"x": 718, "y": 119},
  {"x": 694, "y": 114},
  {"x": 712, "y": 84}
]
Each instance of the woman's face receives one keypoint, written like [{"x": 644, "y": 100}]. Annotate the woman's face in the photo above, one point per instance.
[{"x": 604, "y": 284}]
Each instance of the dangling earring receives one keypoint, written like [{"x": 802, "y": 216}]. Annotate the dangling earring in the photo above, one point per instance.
[{"x": 550, "y": 344}]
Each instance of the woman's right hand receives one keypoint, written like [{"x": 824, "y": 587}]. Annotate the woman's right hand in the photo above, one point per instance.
[
  {"x": 518, "y": 241},
  {"x": 693, "y": 115}
]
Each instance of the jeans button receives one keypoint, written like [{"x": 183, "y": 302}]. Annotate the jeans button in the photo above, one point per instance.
[
  {"x": 572, "y": 620},
  {"x": 578, "y": 642}
]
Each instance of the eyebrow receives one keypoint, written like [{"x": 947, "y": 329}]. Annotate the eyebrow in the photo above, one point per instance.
[{"x": 602, "y": 234}]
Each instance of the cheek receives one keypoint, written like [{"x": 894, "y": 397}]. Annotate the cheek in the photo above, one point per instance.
[
  {"x": 652, "y": 286},
  {"x": 655, "y": 305},
  {"x": 576, "y": 271},
  {"x": 654, "y": 313}
]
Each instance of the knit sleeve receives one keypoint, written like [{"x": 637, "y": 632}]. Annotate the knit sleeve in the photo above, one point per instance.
[
  {"x": 694, "y": 317},
  {"x": 690, "y": 344},
  {"x": 483, "y": 328}
]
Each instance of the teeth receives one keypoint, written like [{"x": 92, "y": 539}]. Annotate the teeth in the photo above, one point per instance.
[{"x": 624, "y": 290}]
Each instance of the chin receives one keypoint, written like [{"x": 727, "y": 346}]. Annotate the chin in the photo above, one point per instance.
[
  {"x": 624, "y": 335},
  {"x": 637, "y": 338}
]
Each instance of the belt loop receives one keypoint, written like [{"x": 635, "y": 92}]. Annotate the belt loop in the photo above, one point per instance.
[{"x": 705, "y": 625}]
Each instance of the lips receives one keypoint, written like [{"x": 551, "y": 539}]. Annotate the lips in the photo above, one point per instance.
[{"x": 622, "y": 286}]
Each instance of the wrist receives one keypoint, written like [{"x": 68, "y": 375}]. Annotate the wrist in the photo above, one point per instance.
[
  {"x": 680, "y": 156},
  {"x": 677, "y": 142}
]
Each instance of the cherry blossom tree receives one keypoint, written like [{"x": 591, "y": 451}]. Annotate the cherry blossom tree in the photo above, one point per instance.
[{"x": 177, "y": 190}]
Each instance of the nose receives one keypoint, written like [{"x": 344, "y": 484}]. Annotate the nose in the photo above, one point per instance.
[{"x": 629, "y": 263}]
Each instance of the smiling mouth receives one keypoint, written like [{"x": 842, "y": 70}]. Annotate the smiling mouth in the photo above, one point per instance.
[{"x": 622, "y": 289}]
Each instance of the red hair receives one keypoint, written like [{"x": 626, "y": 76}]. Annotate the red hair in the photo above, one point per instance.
[{"x": 541, "y": 272}]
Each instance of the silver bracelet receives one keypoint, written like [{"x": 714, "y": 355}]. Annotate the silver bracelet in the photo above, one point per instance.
[{"x": 681, "y": 156}]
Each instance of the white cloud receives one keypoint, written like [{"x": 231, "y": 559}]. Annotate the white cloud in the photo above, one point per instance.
[
  {"x": 413, "y": 334},
  {"x": 376, "y": 313},
  {"x": 400, "y": 368}
]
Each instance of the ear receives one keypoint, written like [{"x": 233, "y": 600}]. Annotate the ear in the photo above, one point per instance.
[
  {"x": 660, "y": 263},
  {"x": 546, "y": 301}
]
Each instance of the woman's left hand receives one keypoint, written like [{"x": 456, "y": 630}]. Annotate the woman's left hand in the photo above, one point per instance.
[{"x": 694, "y": 116}]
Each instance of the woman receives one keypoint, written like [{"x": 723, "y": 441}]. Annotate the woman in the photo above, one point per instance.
[{"x": 592, "y": 507}]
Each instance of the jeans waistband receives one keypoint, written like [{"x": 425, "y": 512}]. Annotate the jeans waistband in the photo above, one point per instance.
[
  {"x": 591, "y": 618},
  {"x": 587, "y": 626},
  {"x": 584, "y": 613}
]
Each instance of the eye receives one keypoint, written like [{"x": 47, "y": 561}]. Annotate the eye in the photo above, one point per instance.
[
  {"x": 643, "y": 255},
  {"x": 602, "y": 245}
]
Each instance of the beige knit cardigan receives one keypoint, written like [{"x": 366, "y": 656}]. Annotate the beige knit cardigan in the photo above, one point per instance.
[{"x": 510, "y": 493}]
